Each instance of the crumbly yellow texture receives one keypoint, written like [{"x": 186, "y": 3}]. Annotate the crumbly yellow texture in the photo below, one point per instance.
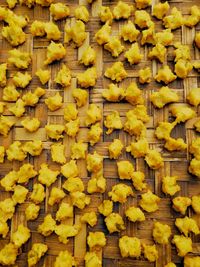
[
  {"x": 145, "y": 75},
  {"x": 193, "y": 97},
  {"x": 80, "y": 199},
  {"x": 44, "y": 3},
  {"x": 20, "y": 60},
  {"x": 187, "y": 225},
  {"x": 112, "y": 122},
  {"x": 54, "y": 102},
  {"x": 38, "y": 193},
  {"x": 34, "y": 148},
  {"x": 70, "y": 169},
  {"x": 94, "y": 162},
  {"x": 191, "y": 261},
  {"x": 158, "y": 52},
  {"x": 133, "y": 125},
  {"x": 14, "y": 34},
  {"x": 32, "y": 98},
  {"x": 138, "y": 179},
  {"x": 7, "y": 209},
  {"x": 88, "y": 78},
  {"x": 73, "y": 184},
  {"x": 20, "y": 236},
  {"x": 197, "y": 39},
  {"x": 182, "y": 113},
  {"x": 133, "y": 55},
  {"x": 3, "y": 69},
  {"x": 114, "y": 46},
  {"x": 130, "y": 247},
  {"x": 122, "y": 10},
  {"x": 2, "y": 107},
  {"x": 154, "y": 159},
  {"x": 180, "y": 204},
  {"x": 15, "y": 152},
  {"x": 65, "y": 211},
  {"x": 116, "y": 72},
  {"x": 78, "y": 150},
  {"x": 65, "y": 231},
  {"x": 175, "y": 144},
  {"x": 43, "y": 75},
  {"x": 129, "y": 32},
  {"x": 164, "y": 96},
  {"x": 52, "y": 31},
  {"x": 149, "y": 201},
  {"x": 135, "y": 214},
  {"x": 183, "y": 244},
  {"x": 196, "y": 203},
  {"x": 59, "y": 11},
  {"x": 169, "y": 185},
  {"x": 94, "y": 134},
  {"x": 4, "y": 229},
  {"x": 115, "y": 149},
  {"x": 174, "y": 20},
  {"x": 165, "y": 75},
  {"x": 47, "y": 227},
  {"x": 35, "y": 253},
  {"x": 194, "y": 17},
  {"x": 19, "y": 194},
  {"x": 76, "y": 33},
  {"x": 183, "y": 68},
  {"x": 194, "y": 167},
  {"x": 150, "y": 252},
  {"x": 120, "y": 192},
  {"x": 148, "y": 35},
  {"x": 113, "y": 93},
  {"x": 56, "y": 195},
  {"x": 12, "y": 3},
  {"x": 114, "y": 223},
  {"x": 90, "y": 218},
  {"x": 160, "y": 10},
  {"x": 38, "y": 28},
  {"x": 5, "y": 125},
  {"x": 70, "y": 112},
  {"x": 18, "y": 108},
  {"x": 9, "y": 181},
  {"x": 97, "y": 183},
  {"x": 164, "y": 37},
  {"x": 142, "y": 19},
  {"x": 2, "y": 153},
  {"x": 63, "y": 76},
  {"x": 80, "y": 96},
  {"x": 161, "y": 233},
  {"x": 57, "y": 153},
  {"x": 170, "y": 264},
  {"x": 92, "y": 259},
  {"x": 55, "y": 51},
  {"x": 10, "y": 93},
  {"x": 140, "y": 4},
  {"x": 194, "y": 148},
  {"x": 82, "y": 13},
  {"x": 103, "y": 34},
  {"x": 32, "y": 212},
  {"x": 46, "y": 175},
  {"x": 21, "y": 79},
  {"x": 31, "y": 124},
  {"x": 64, "y": 258},
  {"x": 125, "y": 169},
  {"x": 54, "y": 131},
  {"x": 106, "y": 207},
  {"x": 8, "y": 254},
  {"x": 133, "y": 94},
  {"x": 93, "y": 114},
  {"x": 88, "y": 56},
  {"x": 138, "y": 149},
  {"x": 105, "y": 14}
]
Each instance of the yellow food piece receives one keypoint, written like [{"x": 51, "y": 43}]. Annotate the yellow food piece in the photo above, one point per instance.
[
  {"x": 96, "y": 240},
  {"x": 78, "y": 150},
  {"x": 9, "y": 181},
  {"x": 46, "y": 175},
  {"x": 54, "y": 131},
  {"x": 44, "y": 3},
  {"x": 115, "y": 149},
  {"x": 174, "y": 20},
  {"x": 114, "y": 223},
  {"x": 38, "y": 28},
  {"x": 92, "y": 259},
  {"x": 80, "y": 96},
  {"x": 20, "y": 236},
  {"x": 56, "y": 195},
  {"x": 82, "y": 13},
  {"x": 194, "y": 18},
  {"x": 194, "y": 148},
  {"x": 183, "y": 68},
  {"x": 114, "y": 46},
  {"x": 35, "y": 254},
  {"x": 170, "y": 264},
  {"x": 25, "y": 173},
  {"x": 163, "y": 130},
  {"x": 148, "y": 35},
  {"x": 2, "y": 153},
  {"x": 63, "y": 77},
  {"x": 145, "y": 75},
  {"x": 90, "y": 218},
  {"x": 186, "y": 225},
  {"x": 106, "y": 207},
  {"x": 43, "y": 75},
  {"x": 181, "y": 52},
  {"x": 7, "y": 209},
  {"x": 183, "y": 244},
  {"x": 34, "y": 148},
  {"x": 70, "y": 112},
  {"x": 80, "y": 199},
  {"x": 196, "y": 203},
  {"x": 197, "y": 39},
  {"x": 150, "y": 252},
  {"x": 4, "y": 229},
  {"x": 158, "y": 52},
  {"x": 38, "y": 193},
  {"x": 112, "y": 122},
  {"x": 31, "y": 99},
  {"x": 122, "y": 10},
  {"x": 133, "y": 94},
  {"x": 175, "y": 144},
  {"x": 142, "y": 19},
  {"x": 88, "y": 78},
  {"x": 133, "y": 125},
  {"x": 12, "y": 3},
  {"x": 5, "y": 125},
  {"x": 32, "y": 212},
  {"x": 120, "y": 192},
  {"x": 76, "y": 33},
  {"x": 73, "y": 184},
  {"x": 94, "y": 162},
  {"x": 88, "y": 57},
  {"x": 31, "y": 124},
  {"x": 182, "y": 113},
  {"x": 138, "y": 180},
  {"x": 8, "y": 254},
  {"x": 135, "y": 214},
  {"x": 70, "y": 169},
  {"x": 64, "y": 258},
  {"x": 18, "y": 108},
  {"x": 164, "y": 96},
  {"x": 3, "y": 69},
  {"x": 10, "y": 17},
  {"x": 48, "y": 226},
  {"x": 169, "y": 185},
  {"x": 133, "y": 54},
  {"x": 57, "y": 153},
  {"x": 21, "y": 79},
  {"x": 180, "y": 204},
  {"x": 196, "y": 65},
  {"x": 19, "y": 194},
  {"x": 161, "y": 233},
  {"x": 15, "y": 152},
  {"x": 125, "y": 169},
  {"x": 14, "y": 34},
  {"x": 55, "y": 52},
  {"x": 2, "y": 106},
  {"x": 54, "y": 102},
  {"x": 194, "y": 167},
  {"x": 59, "y": 11},
  {"x": 105, "y": 14},
  {"x": 140, "y": 4},
  {"x": 116, "y": 72},
  {"x": 97, "y": 183},
  {"x": 94, "y": 134},
  {"x": 103, "y": 34},
  {"x": 20, "y": 60},
  {"x": 52, "y": 31},
  {"x": 138, "y": 149},
  {"x": 130, "y": 247},
  {"x": 10, "y": 93},
  {"x": 165, "y": 75},
  {"x": 191, "y": 261},
  {"x": 160, "y": 10},
  {"x": 65, "y": 211},
  {"x": 129, "y": 32},
  {"x": 164, "y": 37},
  {"x": 149, "y": 201},
  {"x": 193, "y": 97},
  {"x": 94, "y": 114}
]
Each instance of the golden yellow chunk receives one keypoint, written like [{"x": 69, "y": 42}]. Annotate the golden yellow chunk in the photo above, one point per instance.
[
  {"x": 97, "y": 183},
  {"x": 94, "y": 162},
  {"x": 73, "y": 184},
  {"x": 59, "y": 11},
  {"x": 44, "y": 3},
  {"x": 80, "y": 199},
  {"x": 197, "y": 39},
  {"x": 149, "y": 201},
  {"x": 183, "y": 68},
  {"x": 2, "y": 107},
  {"x": 76, "y": 33},
  {"x": 32, "y": 212},
  {"x": 31, "y": 99},
  {"x": 161, "y": 233},
  {"x": 96, "y": 240},
  {"x": 173, "y": 21},
  {"x": 12, "y": 3},
  {"x": 133, "y": 54},
  {"x": 112, "y": 122},
  {"x": 52, "y": 31},
  {"x": 115, "y": 149},
  {"x": 10, "y": 17},
  {"x": 38, "y": 193},
  {"x": 64, "y": 258},
  {"x": 196, "y": 65},
  {"x": 70, "y": 169},
  {"x": 158, "y": 52},
  {"x": 2, "y": 153},
  {"x": 48, "y": 226},
  {"x": 9, "y": 181},
  {"x": 65, "y": 211},
  {"x": 46, "y": 175},
  {"x": 7, "y": 209},
  {"x": 133, "y": 94},
  {"x": 191, "y": 261},
  {"x": 35, "y": 254},
  {"x": 113, "y": 93},
  {"x": 150, "y": 252},
  {"x": 25, "y": 173},
  {"x": 78, "y": 150},
  {"x": 82, "y": 13},
  {"x": 103, "y": 34},
  {"x": 4, "y": 229},
  {"x": 80, "y": 96},
  {"x": 183, "y": 244},
  {"x": 170, "y": 264},
  {"x": 20, "y": 60},
  {"x": 164, "y": 129},
  {"x": 18, "y": 108},
  {"x": 34, "y": 148},
  {"x": 175, "y": 144},
  {"x": 194, "y": 18},
  {"x": 196, "y": 203},
  {"x": 181, "y": 52},
  {"x": 164, "y": 37},
  {"x": 169, "y": 185},
  {"x": 88, "y": 57},
  {"x": 122, "y": 10},
  {"x": 182, "y": 113},
  {"x": 116, "y": 72},
  {"x": 5, "y": 125},
  {"x": 125, "y": 169},
  {"x": 164, "y": 96},
  {"x": 106, "y": 207},
  {"x": 94, "y": 134},
  {"x": 3, "y": 69},
  {"x": 140, "y": 4},
  {"x": 15, "y": 151},
  {"x": 133, "y": 125},
  {"x": 186, "y": 225},
  {"x": 120, "y": 192},
  {"x": 140, "y": 111},
  {"x": 94, "y": 114},
  {"x": 154, "y": 159},
  {"x": 14, "y": 34},
  {"x": 148, "y": 35},
  {"x": 19, "y": 194},
  {"x": 114, "y": 223},
  {"x": 70, "y": 112},
  {"x": 20, "y": 236},
  {"x": 142, "y": 19},
  {"x": 92, "y": 259},
  {"x": 160, "y": 10},
  {"x": 130, "y": 247},
  {"x": 145, "y": 75},
  {"x": 114, "y": 46},
  {"x": 54, "y": 131},
  {"x": 135, "y": 214},
  {"x": 165, "y": 75},
  {"x": 194, "y": 167},
  {"x": 38, "y": 28},
  {"x": 129, "y": 32},
  {"x": 56, "y": 195},
  {"x": 43, "y": 75},
  {"x": 180, "y": 204},
  {"x": 138, "y": 179},
  {"x": 90, "y": 218},
  {"x": 193, "y": 97},
  {"x": 57, "y": 153},
  {"x": 88, "y": 78},
  {"x": 63, "y": 77},
  {"x": 138, "y": 149},
  {"x": 54, "y": 102},
  {"x": 21, "y": 79},
  {"x": 55, "y": 52},
  {"x": 105, "y": 14},
  {"x": 8, "y": 254},
  {"x": 31, "y": 124}
]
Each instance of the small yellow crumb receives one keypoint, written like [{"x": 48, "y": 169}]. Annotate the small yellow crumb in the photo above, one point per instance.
[
  {"x": 116, "y": 72},
  {"x": 88, "y": 57},
  {"x": 133, "y": 94},
  {"x": 112, "y": 122},
  {"x": 165, "y": 75},
  {"x": 196, "y": 203},
  {"x": 31, "y": 124},
  {"x": 120, "y": 192},
  {"x": 149, "y": 201},
  {"x": 81, "y": 13},
  {"x": 103, "y": 34},
  {"x": 180, "y": 204},
  {"x": 80, "y": 199},
  {"x": 169, "y": 185},
  {"x": 46, "y": 175},
  {"x": 186, "y": 225},
  {"x": 90, "y": 218},
  {"x": 32, "y": 212},
  {"x": 56, "y": 195},
  {"x": 36, "y": 252},
  {"x": 150, "y": 252},
  {"x": 114, "y": 223},
  {"x": 145, "y": 75},
  {"x": 78, "y": 150},
  {"x": 122, "y": 10},
  {"x": 73, "y": 184},
  {"x": 38, "y": 193},
  {"x": 15, "y": 151},
  {"x": 161, "y": 233},
  {"x": 142, "y": 18},
  {"x": 43, "y": 75},
  {"x": 114, "y": 46},
  {"x": 130, "y": 247},
  {"x": 47, "y": 227},
  {"x": 115, "y": 149},
  {"x": 19, "y": 194},
  {"x": 19, "y": 59},
  {"x": 133, "y": 54},
  {"x": 160, "y": 10},
  {"x": 125, "y": 169},
  {"x": 183, "y": 244},
  {"x": 63, "y": 77},
  {"x": 65, "y": 211},
  {"x": 21, "y": 236},
  {"x": 135, "y": 214},
  {"x": 55, "y": 52},
  {"x": 106, "y": 207},
  {"x": 70, "y": 169},
  {"x": 34, "y": 148},
  {"x": 54, "y": 131},
  {"x": 174, "y": 20},
  {"x": 59, "y": 11},
  {"x": 76, "y": 33}
]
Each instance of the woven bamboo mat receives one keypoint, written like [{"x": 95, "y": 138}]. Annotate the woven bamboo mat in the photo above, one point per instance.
[{"x": 175, "y": 163}]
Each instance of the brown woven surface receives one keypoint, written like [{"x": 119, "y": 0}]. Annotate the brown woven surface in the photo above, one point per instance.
[{"x": 175, "y": 163}]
